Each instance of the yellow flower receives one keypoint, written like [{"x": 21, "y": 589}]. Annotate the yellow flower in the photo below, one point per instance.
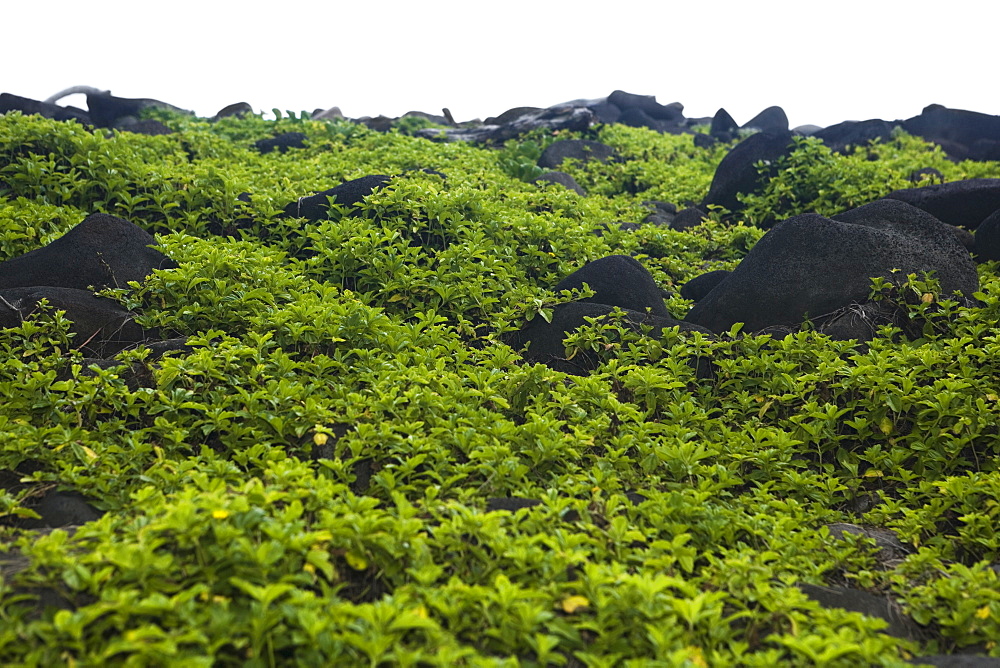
[
  {"x": 983, "y": 612},
  {"x": 574, "y": 603},
  {"x": 220, "y": 514}
]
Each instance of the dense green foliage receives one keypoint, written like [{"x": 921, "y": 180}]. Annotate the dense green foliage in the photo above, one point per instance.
[{"x": 374, "y": 340}]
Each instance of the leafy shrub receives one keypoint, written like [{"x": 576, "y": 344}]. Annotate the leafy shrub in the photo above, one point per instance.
[{"x": 311, "y": 481}]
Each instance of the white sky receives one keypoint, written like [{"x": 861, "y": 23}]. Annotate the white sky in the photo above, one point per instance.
[{"x": 822, "y": 62}]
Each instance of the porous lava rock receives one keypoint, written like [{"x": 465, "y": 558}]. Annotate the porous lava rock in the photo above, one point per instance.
[
  {"x": 61, "y": 508},
  {"x": 28, "y": 106},
  {"x": 687, "y": 218},
  {"x": 701, "y": 285},
  {"x": 889, "y": 549},
  {"x": 544, "y": 340},
  {"x": 583, "y": 150},
  {"x": 563, "y": 179},
  {"x": 282, "y": 142},
  {"x": 811, "y": 266},
  {"x": 887, "y": 210},
  {"x": 149, "y": 126},
  {"x": 348, "y": 194},
  {"x": 900, "y": 625},
  {"x": 963, "y": 203},
  {"x": 844, "y": 136},
  {"x": 101, "y": 326},
  {"x": 511, "y": 115},
  {"x": 102, "y": 251},
  {"x": 107, "y": 111},
  {"x": 723, "y": 126},
  {"x": 957, "y": 131},
  {"x": 987, "y": 236},
  {"x": 647, "y": 104},
  {"x": 772, "y": 119},
  {"x": 661, "y": 213},
  {"x": 237, "y": 109},
  {"x": 618, "y": 280},
  {"x": 561, "y": 117},
  {"x": 737, "y": 172}
]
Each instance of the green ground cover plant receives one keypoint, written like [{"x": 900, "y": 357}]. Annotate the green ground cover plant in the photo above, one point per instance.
[{"x": 315, "y": 481}]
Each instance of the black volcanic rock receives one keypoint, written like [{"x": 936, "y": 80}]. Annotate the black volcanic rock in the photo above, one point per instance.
[
  {"x": 282, "y": 142},
  {"x": 723, "y": 126},
  {"x": 563, "y": 179},
  {"x": 889, "y": 210},
  {"x": 737, "y": 172},
  {"x": 604, "y": 111},
  {"x": 544, "y": 340},
  {"x": 955, "y": 129},
  {"x": 856, "y": 600},
  {"x": 349, "y": 194},
  {"x": 27, "y": 106},
  {"x": 60, "y": 509},
  {"x": 238, "y": 109},
  {"x": 149, "y": 126},
  {"x": 687, "y": 218},
  {"x": 510, "y": 115},
  {"x": 618, "y": 280},
  {"x": 813, "y": 266},
  {"x": 772, "y": 119},
  {"x": 673, "y": 112},
  {"x": 637, "y": 118},
  {"x": 101, "y": 326},
  {"x": 701, "y": 285},
  {"x": 106, "y": 110},
  {"x": 560, "y": 117},
  {"x": 963, "y": 203},
  {"x": 843, "y": 136},
  {"x": 102, "y": 251},
  {"x": 577, "y": 149},
  {"x": 987, "y": 246}
]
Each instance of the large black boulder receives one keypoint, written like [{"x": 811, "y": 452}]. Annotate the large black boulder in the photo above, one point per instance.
[
  {"x": 723, "y": 126},
  {"x": 545, "y": 340},
  {"x": 102, "y": 251},
  {"x": 618, "y": 280},
  {"x": 604, "y": 111},
  {"x": 583, "y": 150},
  {"x": 811, "y": 266},
  {"x": 737, "y": 172},
  {"x": 844, "y": 136},
  {"x": 510, "y": 115},
  {"x": 889, "y": 210},
  {"x": 27, "y": 106},
  {"x": 956, "y": 130},
  {"x": 563, "y": 179},
  {"x": 281, "y": 143},
  {"x": 59, "y": 509},
  {"x": 699, "y": 286},
  {"x": 987, "y": 244},
  {"x": 673, "y": 112},
  {"x": 106, "y": 110},
  {"x": 900, "y": 625},
  {"x": 687, "y": 218},
  {"x": 349, "y": 194},
  {"x": 772, "y": 119},
  {"x": 101, "y": 327},
  {"x": 963, "y": 203}
]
